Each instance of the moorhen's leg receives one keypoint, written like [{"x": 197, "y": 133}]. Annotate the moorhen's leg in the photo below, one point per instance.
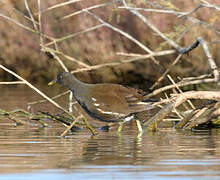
[
  {"x": 139, "y": 126},
  {"x": 120, "y": 127}
]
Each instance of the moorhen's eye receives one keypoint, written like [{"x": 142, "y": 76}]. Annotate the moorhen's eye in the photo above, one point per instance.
[{"x": 59, "y": 77}]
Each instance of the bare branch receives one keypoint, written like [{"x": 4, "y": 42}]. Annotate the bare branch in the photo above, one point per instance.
[
  {"x": 180, "y": 84},
  {"x": 39, "y": 21},
  {"x": 74, "y": 34},
  {"x": 18, "y": 23},
  {"x": 60, "y": 5},
  {"x": 83, "y": 10},
  {"x": 166, "y": 72},
  {"x": 46, "y": 49},
  {"x": 161, "y": 53},
  {"x": 13, "y": 82},
  {"x": 30, "y": 14}
]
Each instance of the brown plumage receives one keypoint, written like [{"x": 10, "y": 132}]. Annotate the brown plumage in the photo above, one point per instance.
[{"x": 105, "y": 102}]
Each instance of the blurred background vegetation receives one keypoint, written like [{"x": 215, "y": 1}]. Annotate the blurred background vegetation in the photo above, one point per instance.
[{"x": 21, "y": 52}]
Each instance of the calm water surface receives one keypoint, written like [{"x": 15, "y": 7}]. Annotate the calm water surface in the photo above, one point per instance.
[{"x": 39, "y": 153}]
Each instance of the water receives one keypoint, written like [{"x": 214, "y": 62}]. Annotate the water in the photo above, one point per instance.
[{"x": 40, "y": 153}]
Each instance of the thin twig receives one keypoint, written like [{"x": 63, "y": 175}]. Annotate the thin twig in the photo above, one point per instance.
[
  {"x": 39, "y": 21},
  {"x": 69, "y": 127},
  {"x": 43, "y": 100},
  {"x": 89, "y": 8},
  {"x": 13, "y": 82},
  {"x": 74, "y": 34},
  {"x": 60, "y": 5},
  {"x": 166, "y": 72},
  {"x": 211, "y": 62},
  {"x": 46, "y": 49},
  {"x": 153, "y": 10},
  {"x": 180, "y": 84},
  {"x": 161, "y": 53},
  {"x": 18, "y": 23},
  {"x": 30, "y": 14},
  {"x": 58, "y": 59},
  {"x": 89, "y": 126},
  {"x": 177, "y": 87}
]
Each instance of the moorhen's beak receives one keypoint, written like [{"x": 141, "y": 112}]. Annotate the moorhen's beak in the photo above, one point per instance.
[{"x": 52, "y": 82}]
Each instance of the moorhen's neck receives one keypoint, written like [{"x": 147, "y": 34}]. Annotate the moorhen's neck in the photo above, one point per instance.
[{"x": 76, "y": 86}]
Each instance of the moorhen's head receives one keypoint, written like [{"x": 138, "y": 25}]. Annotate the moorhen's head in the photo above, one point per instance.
[{"x": 63, "y": 78}]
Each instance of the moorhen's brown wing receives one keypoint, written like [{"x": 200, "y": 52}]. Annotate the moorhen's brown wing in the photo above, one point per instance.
[{"x": 112, "y": 102}]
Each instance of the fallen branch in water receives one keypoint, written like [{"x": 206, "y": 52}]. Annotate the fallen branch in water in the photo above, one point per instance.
[
  {"x": 20, "y": 116},
  {"x": 177, "y": 100}
]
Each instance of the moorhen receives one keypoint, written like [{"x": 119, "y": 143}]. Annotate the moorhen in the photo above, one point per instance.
[{"x": 106, "y": 102}]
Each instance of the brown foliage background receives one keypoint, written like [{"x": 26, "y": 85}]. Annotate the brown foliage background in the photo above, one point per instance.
[{"x": 20, "y": 50}]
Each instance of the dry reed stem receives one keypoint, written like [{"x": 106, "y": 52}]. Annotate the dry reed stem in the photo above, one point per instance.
[
  {"x": 60, "y": 5},
  {"x": 39, "y": 21},
  {"x": 180, "y": 84},
  {"x": 89, "y": 126},
  {"x": 161, "y": 53},
  {"x": 153, "y": 10},
  {"x": 13, "y": 82},
  {"x": 177, "y": 13},
  {"x": 216, "y": 112},
  {"x": 128, "y": 54},
  {"x": 83, "y": 10},
  {"x": 166, "y": 72},
  {"x": 74, "y": 34},
  {"x": 184, "y": 104},
  {"x": 207, "y": 4},
  {"x": 58, "y": 59},
  {"x": 210, "y": 60},
  {"x": 75, "y": 61},
  {"x": 30, "y": 14},
  {"x": 196, "y": 77},
  {"x": 18, "y": 23},
  {"x": 70, "y": 126},
  {"x": 43, "y": 100},
  {"x": 177, "y": 87},
  {"x": 52, "y": 51}
]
